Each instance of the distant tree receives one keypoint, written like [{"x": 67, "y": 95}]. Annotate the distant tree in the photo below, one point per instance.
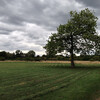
[
  {"x": 37, "y": 58},
  {"x": 9, "y": 56},
  {"x": 18, "y": 53},
  {"x": 3, "y": 54},
  {"x": 78, "y": 35},
  {"x": 31, "y": 53},
  {"x": 44, "y": 57}
]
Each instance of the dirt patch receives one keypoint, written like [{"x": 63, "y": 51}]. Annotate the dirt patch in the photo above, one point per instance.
[
  {"x": 79, "y": 62},
  {"x": 98, "y": 98},
  {"x": 88, "y": 62},
  {"x": 22, "y": 83},
  {"x": 55, "y": 61}
]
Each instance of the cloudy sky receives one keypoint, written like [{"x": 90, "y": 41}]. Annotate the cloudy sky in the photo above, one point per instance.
[{"x": 27, "y": 24}]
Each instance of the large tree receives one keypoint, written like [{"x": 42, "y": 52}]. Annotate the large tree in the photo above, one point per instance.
[{"x": 77, "y": 36}]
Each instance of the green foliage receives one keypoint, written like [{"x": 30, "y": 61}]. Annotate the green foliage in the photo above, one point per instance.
[
  {"x": 78, "y": 35},
  {"x": 51, "y": 46},
  {"x": 3, "y": 54},
  {"x": 95, "y": 58},
  {"x": 2, "y": 58},
  {"x": 29, "y": 59},
  {"x": 31, "y": 53},
  {"x": 37, "y": 58},
  {"x": 18, "y": 53}
]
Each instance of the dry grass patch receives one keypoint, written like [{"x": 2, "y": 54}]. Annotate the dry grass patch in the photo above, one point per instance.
[{"x": 78, "y": 62}]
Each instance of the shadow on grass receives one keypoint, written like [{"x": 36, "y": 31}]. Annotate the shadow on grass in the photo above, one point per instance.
[{"x": 77, "y": 66}]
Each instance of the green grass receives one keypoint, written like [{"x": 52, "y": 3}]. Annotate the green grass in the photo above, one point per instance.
[{"x": 45, "y": 81}]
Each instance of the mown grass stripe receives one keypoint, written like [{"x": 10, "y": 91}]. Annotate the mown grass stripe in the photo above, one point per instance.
[
  {"x": 51, "y": 89},
  {"x": 40, "y": 80},
  {"x": 22, "y": 75}
]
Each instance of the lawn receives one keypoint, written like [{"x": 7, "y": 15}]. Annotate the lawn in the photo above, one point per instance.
[{"x": 48, "y": 81}]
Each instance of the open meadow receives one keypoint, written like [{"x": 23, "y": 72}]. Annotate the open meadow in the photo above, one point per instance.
[{"x": 49, "y": 81}]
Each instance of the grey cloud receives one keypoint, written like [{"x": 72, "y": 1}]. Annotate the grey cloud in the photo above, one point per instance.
[
  {"x": 90, "y": 3},
  {"x": 11, "y": 44},
  {"x": 27, "y": 24},
  {"x": 5, "y": 32},
  {"x": 48, "y": 14}
]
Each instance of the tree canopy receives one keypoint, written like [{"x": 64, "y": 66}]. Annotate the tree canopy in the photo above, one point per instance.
[
  {"x": 31, "y": 53},
  {"x": 77, "y": 36}
]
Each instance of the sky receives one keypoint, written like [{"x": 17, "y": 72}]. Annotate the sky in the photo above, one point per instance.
[{"x": 26, "y": 24}]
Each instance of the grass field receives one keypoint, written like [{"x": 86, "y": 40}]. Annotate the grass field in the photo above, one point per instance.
[{"x": 49, "y": 81}]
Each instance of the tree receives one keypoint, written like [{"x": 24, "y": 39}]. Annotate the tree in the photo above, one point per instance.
[
  {"x": 31, "y": 53},
  {"x": 18, "y": 53},
  {"x": 78, "y": 35},
  {"x": 51, "y": 46},
  {"x": 3, "y": 55}
]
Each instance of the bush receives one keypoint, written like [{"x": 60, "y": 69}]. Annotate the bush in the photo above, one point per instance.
[
  {"x": 37, "y": 59},
  {"x": 29, "y": 59},
  {"x": 95, "y": 58},
  {"x": 2, "y": 58}
]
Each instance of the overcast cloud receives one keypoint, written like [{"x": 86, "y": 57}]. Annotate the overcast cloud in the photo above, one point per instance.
[{"x": 27, "y": 24}]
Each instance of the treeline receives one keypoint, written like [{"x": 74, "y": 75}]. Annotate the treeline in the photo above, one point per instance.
[
  {"x": 80, "y": 58},
  {"x": 17, "y": 55},
  {"x": 31, "y": 56}
]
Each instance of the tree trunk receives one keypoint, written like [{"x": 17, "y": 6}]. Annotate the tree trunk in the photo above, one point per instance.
[{"x": 71, "y": 52}]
